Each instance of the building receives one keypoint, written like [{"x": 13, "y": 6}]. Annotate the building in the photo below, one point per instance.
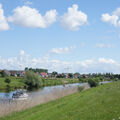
[
  {"x": 17, "y": 73},
  {"x": 6, "y": 73},
  {"x": 43, "y": 74}
]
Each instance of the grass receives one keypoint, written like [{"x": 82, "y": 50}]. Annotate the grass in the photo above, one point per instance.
[
  {"x": 58, "y": 81},
  {"x": 101, "y": 103},
  {"x": 13, "y": 106},
  {"x": 15, "y": 83}
]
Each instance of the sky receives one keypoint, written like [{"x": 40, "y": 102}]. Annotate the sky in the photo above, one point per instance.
[{"x": 60, "y": 35}]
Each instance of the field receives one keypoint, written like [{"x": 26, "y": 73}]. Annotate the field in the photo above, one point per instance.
[{"x": 101, "y": 103}]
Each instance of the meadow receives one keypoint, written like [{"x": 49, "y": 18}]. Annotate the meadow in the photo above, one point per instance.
[{"x": 99, "y": 103}]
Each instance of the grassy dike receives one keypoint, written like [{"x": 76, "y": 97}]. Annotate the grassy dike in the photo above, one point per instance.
[{"x": 101, "y": 103}]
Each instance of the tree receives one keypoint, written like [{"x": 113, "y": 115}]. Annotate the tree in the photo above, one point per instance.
[
  {"x": 70, "y": 75},
  {"x": 3, "y": 74},
  {"x": 36, "y": 70},
  {"x": 32, "y": 80},
  {"x": 8, "y": 81},
  {"x": 26, "y": 69},
  {"x": 54, "y": 73},
  {"x": 93, "y": 82}
]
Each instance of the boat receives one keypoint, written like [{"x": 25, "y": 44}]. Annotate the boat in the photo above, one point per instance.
[{"x": 20, "y": 95}]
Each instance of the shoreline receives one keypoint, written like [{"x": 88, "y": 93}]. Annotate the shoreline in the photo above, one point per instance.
[{"x": 15, "y": 106}]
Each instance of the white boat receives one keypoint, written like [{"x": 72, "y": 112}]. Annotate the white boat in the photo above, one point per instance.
[{"x": 20, "y": 95}]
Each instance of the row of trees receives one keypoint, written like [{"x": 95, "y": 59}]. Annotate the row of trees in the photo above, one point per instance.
[{"x": 36, "y": 70}]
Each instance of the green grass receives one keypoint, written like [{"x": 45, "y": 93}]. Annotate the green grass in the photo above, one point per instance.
[
  {"x": 15, "y": 83},
  {"x": 58, "y": 81},
  {"x": 101, "y": 103}
]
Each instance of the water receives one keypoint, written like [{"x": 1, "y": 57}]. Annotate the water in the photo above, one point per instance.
[
  {"x": 45, "y": 90},
  {"x": 105, "y": 82}
]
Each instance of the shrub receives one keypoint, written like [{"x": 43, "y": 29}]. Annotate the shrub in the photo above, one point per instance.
[
  {"x": 81, "y": 80},
  {"x": 80, "y": 88},
  {"x": 7, "y": 80},
  {"x": 93, "y": 82}
]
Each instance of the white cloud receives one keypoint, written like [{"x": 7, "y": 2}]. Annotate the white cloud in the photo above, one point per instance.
[
  {"x": 62, "y": 50},
  {"x": 107, "y": 61},
  {"x": 27, "y": 3},
  {"x": 74, "y": 18},
  {"x": 3, "y": 22},
  {"x": 30, "y": 17},
  {"x": 116, "y": 12},
  {"x": 87, "y": 66},
  {"x": 22, "y": 52},
  {"x": 113, "y": 18},
  {"x": 101, "y": 45}
]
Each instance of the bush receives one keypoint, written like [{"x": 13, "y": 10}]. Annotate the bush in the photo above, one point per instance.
[
  {"x": 32, "y": 80},
  {"x": 93, "y": 82},
  {"x": 81, "y": 80},
  {"x": 7, "y": 80},
  {"x": 80, "y": 88}
]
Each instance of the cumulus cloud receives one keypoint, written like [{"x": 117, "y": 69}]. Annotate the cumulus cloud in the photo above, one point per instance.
[
  {"x": 3, "y": 22},
  {"x": 86, "y": 66},
  {"x": 74, "y": 18},
  {"x": 62, "y": 50},
  {"x": 113, "y": 18},
  {"x": 30, "y": 17}
]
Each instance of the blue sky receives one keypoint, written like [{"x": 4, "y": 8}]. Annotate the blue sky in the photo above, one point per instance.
[{"x": 86, "y": 37}]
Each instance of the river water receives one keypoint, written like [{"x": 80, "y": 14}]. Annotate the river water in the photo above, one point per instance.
[{"x": 45, "y": 90}]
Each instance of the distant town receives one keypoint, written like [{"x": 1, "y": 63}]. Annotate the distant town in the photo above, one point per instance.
[{"x": 45, "y": 74}]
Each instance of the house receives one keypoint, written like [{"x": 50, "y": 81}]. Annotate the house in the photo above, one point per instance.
[
  {"x": 6, "y": 73},
  {"x": 43, "y": 74},
  {"x": 17, "y": 73},
  {"x": 65, "y": 75},
  {"x": 49, "y": 74}
]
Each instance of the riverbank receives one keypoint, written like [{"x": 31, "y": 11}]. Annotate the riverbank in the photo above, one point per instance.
[
  {"x": 18, "y": 82},
  {"x": 100, "y": 103},
  {"x": 39, "y": 97}
]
